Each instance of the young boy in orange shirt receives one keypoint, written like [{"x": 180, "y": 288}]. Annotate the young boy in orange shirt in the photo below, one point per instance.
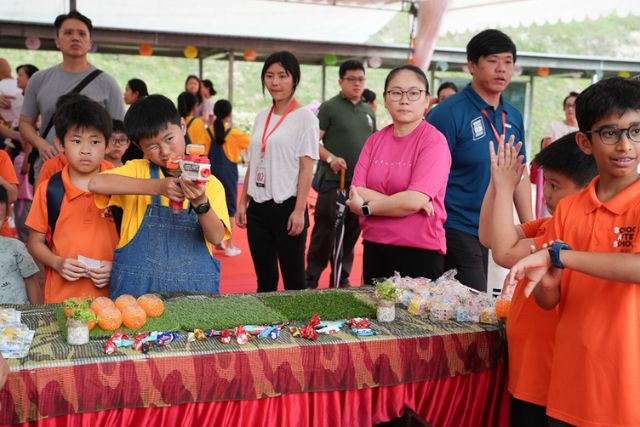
[
  {"x": 530, "y": 329},
  {"x": 591, "y": 272},
  {"x": 9, "y": 181},
  {"x": 162, "y": 249},
  {"x": 78, "y": 254}
]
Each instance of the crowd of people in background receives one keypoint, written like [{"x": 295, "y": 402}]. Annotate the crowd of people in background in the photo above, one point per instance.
[{"x": 96, "y": 198}]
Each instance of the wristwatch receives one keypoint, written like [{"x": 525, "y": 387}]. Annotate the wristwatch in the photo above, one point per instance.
[
  {"x": 330, "y": 159},
  {"x": 366, "y": 210},
  {"x": 202, "y": 209},
  {"x": 554, "y": 252}
]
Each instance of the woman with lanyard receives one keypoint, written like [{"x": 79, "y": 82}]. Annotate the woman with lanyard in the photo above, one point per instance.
[{"x": 273, "y": 206}]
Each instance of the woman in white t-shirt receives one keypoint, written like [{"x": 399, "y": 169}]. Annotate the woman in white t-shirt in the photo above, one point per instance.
[
  {"x": 555, "y": 131},
  {"x": 273, "y": 206},
  {"x": 559, "y": 129}
]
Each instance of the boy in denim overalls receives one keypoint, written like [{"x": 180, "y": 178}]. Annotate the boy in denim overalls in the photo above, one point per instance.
[{"x": 162, "y": 249}]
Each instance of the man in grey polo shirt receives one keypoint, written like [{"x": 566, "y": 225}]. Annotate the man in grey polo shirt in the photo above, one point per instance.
[
  {"x": 73, "y": 38},
  {"x": 345, "y": 124}
]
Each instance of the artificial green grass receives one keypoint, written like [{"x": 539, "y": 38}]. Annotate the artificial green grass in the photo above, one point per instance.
[
  {"x": 222, "y": 312},
  {"x": 330, "y": 305},
  {"x": 229, "y": 311}
]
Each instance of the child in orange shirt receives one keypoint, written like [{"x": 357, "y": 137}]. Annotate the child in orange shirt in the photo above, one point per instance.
[
  {"x": 9, "y": 181},
  {"x": 79, "y": 251},
  {"x": 591, "y": 272},
  {"x": 530, "y": 329}
]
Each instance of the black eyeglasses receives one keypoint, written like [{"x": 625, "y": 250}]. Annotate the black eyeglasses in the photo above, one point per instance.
[
  {"x": 119, "y": 142},
  {"x": 412, "y": 94},
  {"x": 611, "y": 135}
]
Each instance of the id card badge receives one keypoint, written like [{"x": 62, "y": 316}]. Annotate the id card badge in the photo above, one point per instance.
[{"x": 261, "y": 176}]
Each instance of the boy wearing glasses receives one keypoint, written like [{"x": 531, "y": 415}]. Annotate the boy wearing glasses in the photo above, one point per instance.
[
  {"x": 469, "y": 120},
  {"x": 118, "y": 145},
  {"x": 346, "y": 121},
  {"x": 591, "y": 272}
]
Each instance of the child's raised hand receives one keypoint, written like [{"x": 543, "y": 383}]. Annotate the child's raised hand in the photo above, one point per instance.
[
  {"x": 70, "y": 269},
  {"x": 100, "y": 276},
  {"x": 507, "y": 165}
]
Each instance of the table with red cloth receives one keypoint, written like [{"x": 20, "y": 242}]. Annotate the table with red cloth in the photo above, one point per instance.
[{"x": 452, "y": 374}]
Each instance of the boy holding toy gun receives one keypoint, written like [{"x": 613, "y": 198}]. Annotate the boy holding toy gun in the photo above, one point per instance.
[{"x": 163, "y": 249}]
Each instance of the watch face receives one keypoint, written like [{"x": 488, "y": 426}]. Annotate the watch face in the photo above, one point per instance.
[
  {"x": 365, "y": 210},
  {"x": 203, "y": 208}
]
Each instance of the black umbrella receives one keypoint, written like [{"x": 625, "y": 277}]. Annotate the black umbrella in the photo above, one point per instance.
[{"x": 338, "y": 246}]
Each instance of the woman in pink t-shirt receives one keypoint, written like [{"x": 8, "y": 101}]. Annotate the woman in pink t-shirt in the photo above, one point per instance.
[{"x": 399, "y": 184}]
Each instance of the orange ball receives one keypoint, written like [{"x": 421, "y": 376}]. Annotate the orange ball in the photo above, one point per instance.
[
  {"x": 109, "y": 318},
  {"x": 124, "y": 300},
  {"x": 151, "y": 304},
  {"x": 133, "y": 316},
  {"x": 249, "y": 55},
  {"x": 100, "y": 303}
]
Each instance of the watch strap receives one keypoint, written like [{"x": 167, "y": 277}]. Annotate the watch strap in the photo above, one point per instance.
[{"x": 554, "y": 253}]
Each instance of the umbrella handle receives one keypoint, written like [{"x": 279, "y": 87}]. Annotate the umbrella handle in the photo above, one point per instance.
[{"x": 342, "y": 173}]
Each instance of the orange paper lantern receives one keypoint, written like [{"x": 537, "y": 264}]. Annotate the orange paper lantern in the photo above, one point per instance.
[
  {"x": 412, "y": 60},
  {"x": 543, "y": 71},
  {"x": 190, "y": 51},
  {"x": 249, "y": 55},
  {"x": 145, "y": 50}
]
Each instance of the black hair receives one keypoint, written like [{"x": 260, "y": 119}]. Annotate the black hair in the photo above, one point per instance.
[
  {"x": 221, "y": 109},
  {"x": 572, "y": 94},
  {"x": 565, "y": 157},
  {"x": 447, "y": 85},
  {"x": 29, "y": 69},
  {"x": 290, "y": 64},
  {"x": 118, "y": 126},
  {"x": 186, "y": 102},
  {"x": 209, "y": 85},
  {"x": 489, "y": 42},
  {"x": 368, "y": 95},
  {"x": 417, "y": 71},
  {"x": 197, "y": 94},
  {"x": 604, "y": 98},
  {"x": 350, "y": 64},
  {"x": 139, "y": 86},
  {"x": 74, "y": 14},
  {"x": 4, "y": 199},
  {"x": 149, "y": 116},
  {"x": 79, "y": 111}
]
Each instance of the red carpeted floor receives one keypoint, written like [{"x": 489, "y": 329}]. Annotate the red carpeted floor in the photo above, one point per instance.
[{"x": 238, "y": 275}]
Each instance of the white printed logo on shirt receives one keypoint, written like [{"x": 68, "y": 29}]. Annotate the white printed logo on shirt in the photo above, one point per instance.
[
  {"x": 624, "y": 236},
  {"x": 477, "y": 127}
]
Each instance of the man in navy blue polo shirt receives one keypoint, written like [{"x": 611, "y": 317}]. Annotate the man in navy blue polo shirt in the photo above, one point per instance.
[{"x": 469, "y": 120}]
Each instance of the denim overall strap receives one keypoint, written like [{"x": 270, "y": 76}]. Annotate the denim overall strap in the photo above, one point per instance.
[
  {"x": 168, "y": 254},
  {"x": 227, "y": 173},
  {"x": 154, "y": 171}
]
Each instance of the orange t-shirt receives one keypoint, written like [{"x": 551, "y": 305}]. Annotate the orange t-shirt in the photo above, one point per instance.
[
  {"x": 81, "y": 229},
  {"x": 595, "y": 375},
  {"x": 530, "y": 336},
  {"x": 9, "y": 174},
  {"x": 55, "y": 165}
]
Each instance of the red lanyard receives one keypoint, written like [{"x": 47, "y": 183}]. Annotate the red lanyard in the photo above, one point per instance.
[
  {"x": 493, "y": 128},
  {"x": 266, "y": 135}
]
